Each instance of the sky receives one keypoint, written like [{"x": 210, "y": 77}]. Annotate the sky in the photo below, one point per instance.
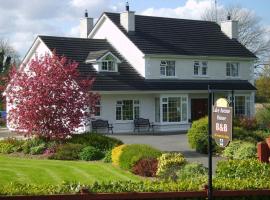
[{"x": 22, "y": 20}]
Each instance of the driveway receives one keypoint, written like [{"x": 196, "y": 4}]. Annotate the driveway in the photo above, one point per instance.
[{"x": 171, "y": 142}]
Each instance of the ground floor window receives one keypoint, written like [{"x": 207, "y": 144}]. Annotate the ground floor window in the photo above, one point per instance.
[
  {"x": 97, "y": 109},
  {"x": 173, "y": 109},
  {"x": 242, "y": 105},
  {"x": 127, "y": 109}
]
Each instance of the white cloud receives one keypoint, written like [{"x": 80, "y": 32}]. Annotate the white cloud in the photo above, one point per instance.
[{"x": 192, "y": 9}]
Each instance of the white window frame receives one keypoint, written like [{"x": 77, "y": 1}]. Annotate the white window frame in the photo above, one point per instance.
[
  {"x": 172, "y": 96},
  {"x": 135, "y": 105},
  {"x": 230, "y": 66},
  {"x": 248, "y": 102},
  {"x": 198, "y": 67},
  {"x": 164, "y": 67},
  {"x": 98, "y": 105}
]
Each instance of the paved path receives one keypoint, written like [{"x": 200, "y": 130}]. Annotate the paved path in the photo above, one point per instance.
[
  {"x": 171, "y": 142},
  {"x": 5, "y": 133}
]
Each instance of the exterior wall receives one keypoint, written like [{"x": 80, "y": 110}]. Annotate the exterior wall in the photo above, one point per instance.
[
  {"x": 184, "y": 68},
  {"x": 108, "y": 30}
]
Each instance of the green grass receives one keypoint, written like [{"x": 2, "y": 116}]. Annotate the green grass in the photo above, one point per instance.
[{"x": 34, "y": 171}]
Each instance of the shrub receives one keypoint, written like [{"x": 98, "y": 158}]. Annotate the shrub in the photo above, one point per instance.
[
  {"x": 32, "y": 143},
  {"x": 169, "y": 164},
  {"x": 240, "y": 150},
  {"x": 6, "y": 148},
  {"x": 135, "y": 152},
  {"x": 90, "y": 153},
  {"x": 146, "y": 167},
  {"x": 245, "y": 135},
  {"x": 38, "y": 149},
  {"x": 248, "y": 123},
  {"x": 116, "y": 153},
  {"x": 241, "y": 169},
  {"x": 263, "y": 117},
  {"x": 101, "y": 142},
  {"x": 108, "y": 157},
  {"x": 67, "y": 152},
  {"x": 198, "y": 136},
  {"x": 192, "y": 171}
]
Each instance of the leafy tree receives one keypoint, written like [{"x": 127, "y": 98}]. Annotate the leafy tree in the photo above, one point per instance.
[
  {"x": 263, "y": 84},
  {"x": 252, "y": 34},
  {"x": 49, "y": 97}
]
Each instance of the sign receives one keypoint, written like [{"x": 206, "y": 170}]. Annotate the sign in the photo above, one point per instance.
[{"x": 222, "y": 125}]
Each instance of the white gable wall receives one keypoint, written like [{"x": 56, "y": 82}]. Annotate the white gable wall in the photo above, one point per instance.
[{"x": 106, "y": 29}]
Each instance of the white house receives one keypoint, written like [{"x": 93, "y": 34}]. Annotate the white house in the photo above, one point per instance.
[{"x": 158, "y": 68}]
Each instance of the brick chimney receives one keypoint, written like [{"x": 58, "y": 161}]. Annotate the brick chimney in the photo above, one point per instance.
[{"x": 86, "y": 25}]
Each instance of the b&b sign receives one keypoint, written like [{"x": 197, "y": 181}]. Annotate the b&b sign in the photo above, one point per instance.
[{"x": 222, "y": 125}]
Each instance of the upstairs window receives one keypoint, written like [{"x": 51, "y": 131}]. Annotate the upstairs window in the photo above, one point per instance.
[
  {"x": 167, "y": 68},
  {"x": 108, "y": 64},
  {"x": 232, "y": 69},
  {"x": 200, "y": 68}
]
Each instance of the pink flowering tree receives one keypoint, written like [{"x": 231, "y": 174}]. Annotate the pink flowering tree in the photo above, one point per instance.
[{"x": 49, "y": 98}]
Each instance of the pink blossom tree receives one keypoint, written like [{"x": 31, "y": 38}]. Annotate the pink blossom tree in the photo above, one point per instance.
[{"x": 49, "y": 98}]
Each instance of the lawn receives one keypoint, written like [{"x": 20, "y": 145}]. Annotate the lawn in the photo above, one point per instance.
[{"x": 34, "y": 171}]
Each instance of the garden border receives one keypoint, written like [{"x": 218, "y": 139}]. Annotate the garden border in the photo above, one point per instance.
[{"x": 142, "y": 195}]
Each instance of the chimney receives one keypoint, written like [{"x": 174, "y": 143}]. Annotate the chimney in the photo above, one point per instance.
[
  {"x": 86, "y": 25},
  {"x": 230, "y": 27},
  {"x": 127, "y": 19}
]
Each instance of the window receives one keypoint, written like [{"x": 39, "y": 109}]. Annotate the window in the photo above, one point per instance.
[
  {"x": 200, "y": 68},
  {"x": 232, "y": 69},
  {"x": 127, "y": 109},
  {"x": 174, "y": 109},
  {"x": 108, "y": 63},
  {"x": 97, "y": 109},
  {"x": 167, "y": 68},
  {"x": 157, "y": 109},
  {"x": 242, "y": 105}
]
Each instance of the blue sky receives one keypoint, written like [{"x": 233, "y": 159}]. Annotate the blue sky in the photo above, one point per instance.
[{"x": 22, "y": 20}]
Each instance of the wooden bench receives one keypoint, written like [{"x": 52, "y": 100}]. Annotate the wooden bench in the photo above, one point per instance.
[
  {"x": 141, "y": 122},
  {"x": 100, "y": 124}
]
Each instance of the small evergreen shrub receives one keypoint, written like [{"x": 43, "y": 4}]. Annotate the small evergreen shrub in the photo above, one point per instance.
[
  {"x": 134, "y": 152},
  {"x": 192, "y": 171},
  {"x": 198, "y": 136},
  {"x": 32, "y": 143},
  {"x": 146, "y": 167},
  {"x": 116, "y": 153},
  {"x": 242, "y": 134},
  {"x": 38, "y": 149},
  {"x": 101, "y": 142},
  {"x": 169, "y": 164},
  {"x": 67, "y": 152},
  {"x": 6, "y": 148},
  {"x": 240, "y": 150},
  {"x": 90, "y": 153},
  {"x": 108, "y": 157},
  {"x": 242, "y": 169}
]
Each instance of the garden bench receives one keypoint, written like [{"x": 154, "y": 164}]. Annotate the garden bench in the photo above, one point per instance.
[
  {"x": 141, "y": 122},
  {"x": 101, "y": 124}
]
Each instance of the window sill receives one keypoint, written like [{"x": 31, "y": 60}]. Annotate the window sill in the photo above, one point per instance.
[
  {"x": 168, "y": 77},
  {"x": 124, "y": 121},
  {"x": 201, "y": 76},
  {"x": 173, "y": 123},
  {"x": 233, "y": 77}
]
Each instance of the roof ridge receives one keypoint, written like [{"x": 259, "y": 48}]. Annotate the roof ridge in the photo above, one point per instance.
[{"x": 69, "y": 37}]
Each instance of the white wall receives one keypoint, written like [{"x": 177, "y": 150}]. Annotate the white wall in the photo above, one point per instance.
[
  {"x": 184, "y": 68},
  {"x": 108, "y": 30}
]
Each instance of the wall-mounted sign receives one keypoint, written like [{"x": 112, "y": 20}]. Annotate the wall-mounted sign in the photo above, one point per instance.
[{"x": 222, "y": 123}]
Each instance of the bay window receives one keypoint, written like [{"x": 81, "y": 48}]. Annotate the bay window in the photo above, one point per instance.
[{"x": 127, "y": 109}]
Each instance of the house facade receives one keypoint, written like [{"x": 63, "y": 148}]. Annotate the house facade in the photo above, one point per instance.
[{"x": 157, "y": 68}]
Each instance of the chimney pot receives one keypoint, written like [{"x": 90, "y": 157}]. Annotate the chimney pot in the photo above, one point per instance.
[
  {"x": 127, "y": 6},
  {"x": 230, "y": 28}
]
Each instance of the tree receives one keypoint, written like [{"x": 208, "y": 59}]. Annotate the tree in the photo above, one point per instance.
[
  {"x": 263, "y": 85},
  {"x": 49, "y": 97},
  {"x": 252, "y": 34}
]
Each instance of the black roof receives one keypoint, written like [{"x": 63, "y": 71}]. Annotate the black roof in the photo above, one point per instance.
[
  {"x": 127, "y": 78},
  {"x": 159, "y": 35},
  {"x": 95, "y": 55}
]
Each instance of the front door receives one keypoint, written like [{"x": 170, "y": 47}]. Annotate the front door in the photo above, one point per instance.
[{"x": 199, "y": 108}]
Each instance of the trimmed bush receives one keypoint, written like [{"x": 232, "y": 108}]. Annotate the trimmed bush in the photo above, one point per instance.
[
  {"x": 116, "y": 153},
  {"x": 108, "y": 157},
  {"x": 242, "y": 169},
  {"x": 169, "y": 164},
  {"x": 230, "y": 150},
  {"x": 90, "y": 153},
  {"x": 192, "y": 171},
  {"x": 135, "y": 152},
  {"x": 146, "y": 167},
  {"x": 198, "y": 136},
  {"x": 101, "y": 142},
  {"x": 67, "y": 152},
  {"x": 240, "y": 150}
]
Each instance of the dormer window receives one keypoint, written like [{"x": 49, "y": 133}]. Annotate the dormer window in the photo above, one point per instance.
[
  {"x": 108, "y": 63},
  {"x": 103, "y": 61}
]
